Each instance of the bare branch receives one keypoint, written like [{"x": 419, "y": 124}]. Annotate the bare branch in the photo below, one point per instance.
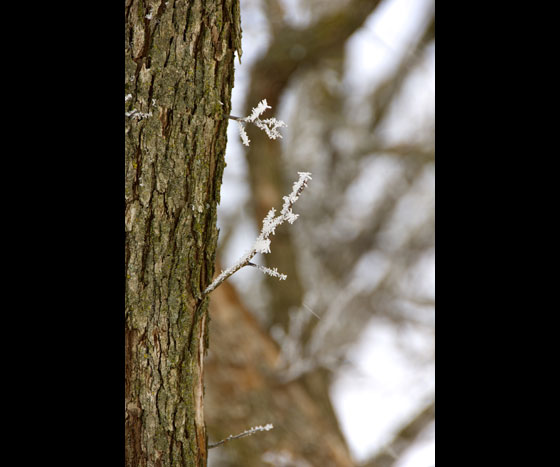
[{"x": 405, "y": 437}]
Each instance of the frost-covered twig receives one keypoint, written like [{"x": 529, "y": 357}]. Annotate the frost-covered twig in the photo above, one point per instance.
[
  {"x": 137, "y": 114},
  {"x": 270, "y": 125},
  {"x": 262, "y": 243},
  {"x": 248, "y": 432},
  {"x": 271, "y": 272}
]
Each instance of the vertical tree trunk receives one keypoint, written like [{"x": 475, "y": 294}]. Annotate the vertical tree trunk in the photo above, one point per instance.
[{"x": 178, "y": 79}]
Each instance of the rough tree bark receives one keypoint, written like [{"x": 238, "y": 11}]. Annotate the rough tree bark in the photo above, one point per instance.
[{"x": 178, "y": 80}]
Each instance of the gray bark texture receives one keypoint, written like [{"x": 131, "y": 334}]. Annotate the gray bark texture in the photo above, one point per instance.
[{"x": 179, "y": 71}]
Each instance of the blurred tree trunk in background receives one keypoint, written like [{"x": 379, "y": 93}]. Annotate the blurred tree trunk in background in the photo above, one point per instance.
[
  {"x": 242, "y": 390},
  {"x": 178, "y": 80}
]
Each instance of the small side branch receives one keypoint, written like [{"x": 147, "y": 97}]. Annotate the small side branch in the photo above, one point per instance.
[
  {"x": 269, "y": 126},
  {"x": 271, "y": 272},
  {"x": 249, "y": 432},
  {"x": 262, "y": 243}
]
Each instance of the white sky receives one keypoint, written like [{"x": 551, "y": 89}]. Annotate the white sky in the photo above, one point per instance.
[
  {"x": 377, "y": 392},
  {"x": 372, "y": 395}
]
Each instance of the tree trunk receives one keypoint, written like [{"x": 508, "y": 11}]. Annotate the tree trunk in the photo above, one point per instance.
[{"x": 178, "y": 80}]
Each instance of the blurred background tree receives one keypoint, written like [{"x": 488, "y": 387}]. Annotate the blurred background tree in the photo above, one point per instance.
[{"x": 339, "y": 357}]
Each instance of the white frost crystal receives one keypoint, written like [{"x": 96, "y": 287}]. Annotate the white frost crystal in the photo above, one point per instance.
[{"x": 269, "y": 126}]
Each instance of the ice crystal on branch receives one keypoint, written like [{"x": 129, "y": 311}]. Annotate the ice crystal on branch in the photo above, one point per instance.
[
  {"x": 271, "y": 272},
  {"x": 243, "y": 134},
  {"x": 270, "y": 222},
  {"x": 257, "y": 111},
  {"x": 269, "y": 126},
  {"x": 262, "y": 243},
  {"x": 249, "y": 432},
  {"x": 136, "y": 114}
]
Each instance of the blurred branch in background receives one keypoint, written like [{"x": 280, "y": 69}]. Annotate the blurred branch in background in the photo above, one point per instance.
[
  {"x": 405, "y": 437},
  {"x": 363, "y": 249}
]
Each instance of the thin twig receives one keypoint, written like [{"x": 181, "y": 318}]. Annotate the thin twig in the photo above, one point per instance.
[
  {"x": 248, "y": 432},
  {"x": 269, "y": 126},
  {"x": 262, "y": 244}
]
